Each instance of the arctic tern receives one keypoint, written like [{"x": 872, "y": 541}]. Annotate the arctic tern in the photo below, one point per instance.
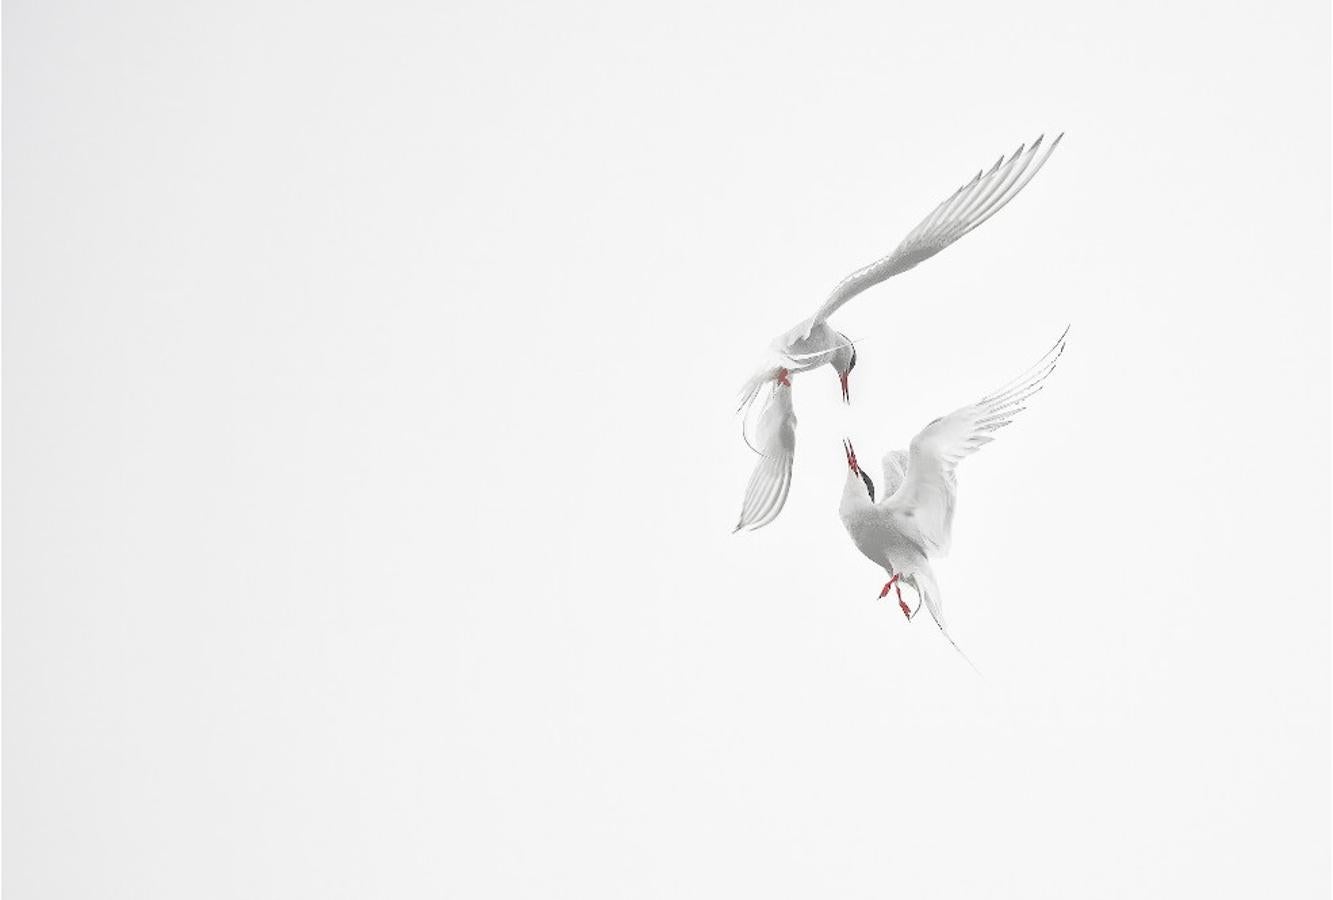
[{"x": 911, "y": 522}]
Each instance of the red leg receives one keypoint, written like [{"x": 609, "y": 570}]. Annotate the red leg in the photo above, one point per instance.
[
  {"x": 782, "y": 377},
  {"x": 888, "y": 587},
  {"x": 903, "y": 606}
]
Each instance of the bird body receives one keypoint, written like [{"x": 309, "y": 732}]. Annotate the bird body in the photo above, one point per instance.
[
  {"x": 883, "y": 536},
  {"x": 911, "y": 523},
  {"x": 887, "y": 536},
  {"x": 801, "y": 348}
]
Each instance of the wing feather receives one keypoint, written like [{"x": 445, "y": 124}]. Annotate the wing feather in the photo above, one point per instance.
[
  {"x": 929, "y": 491},
  {"x": 964, "y": 209},
  {"x": 770, "y": 482}
]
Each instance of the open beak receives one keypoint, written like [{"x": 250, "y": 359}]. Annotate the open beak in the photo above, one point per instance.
[
  {"x": 846, "y": 397},
  {"x": 851, "y": 456}
]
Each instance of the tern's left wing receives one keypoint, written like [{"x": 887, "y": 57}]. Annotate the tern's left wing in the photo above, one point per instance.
[
  {"x": 964, "y": 210},
  {"x": 927, "y": 495},
  {"x": 776, "y": 444}
]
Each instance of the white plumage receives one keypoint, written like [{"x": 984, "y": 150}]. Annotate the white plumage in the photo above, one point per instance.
[
  {"x": 775, "y": 442},
  {"x": 812, "y": 343},
  {"x": 912, "y": 522}
]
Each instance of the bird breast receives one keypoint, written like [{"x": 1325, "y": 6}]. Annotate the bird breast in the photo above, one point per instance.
[
  {"x": 875, "y": 534},
  {"x": 868, "y": 531}
]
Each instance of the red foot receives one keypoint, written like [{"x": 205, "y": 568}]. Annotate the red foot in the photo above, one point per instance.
[
  {"x": 782, "y": 377},
  {"x": 888, "y": 587},
  {"x": 903, "y": 606}
]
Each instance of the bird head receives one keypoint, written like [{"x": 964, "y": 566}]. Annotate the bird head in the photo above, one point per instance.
[
  {"x": 844, "y": 360},
  {"x": 855, "y": 473}
]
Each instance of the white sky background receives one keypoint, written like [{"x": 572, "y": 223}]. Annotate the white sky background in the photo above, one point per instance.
[{"x": 370, "y": 458}]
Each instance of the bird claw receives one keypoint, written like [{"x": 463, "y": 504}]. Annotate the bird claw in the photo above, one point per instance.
[
  {"x": 895, "y": 586},
  {"x": 782, "y": 377},
  {"x": 888, "y": 587}
]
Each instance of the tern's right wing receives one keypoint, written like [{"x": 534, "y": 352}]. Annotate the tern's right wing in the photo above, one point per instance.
[{"x": 776, "y": 445}]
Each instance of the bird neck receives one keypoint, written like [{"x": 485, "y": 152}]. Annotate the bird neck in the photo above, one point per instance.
[{"x": 855, "y": 498}]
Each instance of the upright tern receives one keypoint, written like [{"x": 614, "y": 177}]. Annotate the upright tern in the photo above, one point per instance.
[
  {"x": 812, "y": 343},
  {"x": 911, "y": 523}
]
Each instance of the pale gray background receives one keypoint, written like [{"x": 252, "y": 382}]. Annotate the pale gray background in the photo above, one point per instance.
[{"x": 370, "y": 460}]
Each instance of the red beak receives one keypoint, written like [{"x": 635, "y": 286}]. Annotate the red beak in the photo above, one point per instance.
[
  {"x": 851, "y": 456},
  {"x": 846, "y": 397}
]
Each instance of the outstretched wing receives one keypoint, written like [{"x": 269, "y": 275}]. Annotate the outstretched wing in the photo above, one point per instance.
[
  {"x": 775, "y": 441},
  {"x": 964, "y": 210},
  {"x": 929, "y": 491}
]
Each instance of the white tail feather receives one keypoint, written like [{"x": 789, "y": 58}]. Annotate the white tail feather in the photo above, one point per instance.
[{"x": 930, "y": 595}]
